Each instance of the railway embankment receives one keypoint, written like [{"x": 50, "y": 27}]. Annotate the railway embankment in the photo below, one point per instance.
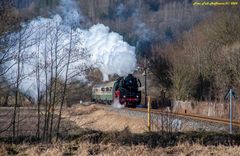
[{"x": 178, "y": 122}]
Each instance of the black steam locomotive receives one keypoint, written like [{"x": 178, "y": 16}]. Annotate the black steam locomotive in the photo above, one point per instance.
[{"x": 126, "y": 90}]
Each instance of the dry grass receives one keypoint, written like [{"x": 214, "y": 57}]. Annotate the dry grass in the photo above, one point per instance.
[
  {"x": 79, "y": 116},
  {"x": 85, "y": 149},
  {"x": 113, "y": 134},
  {"x": 98, "y": 118}
]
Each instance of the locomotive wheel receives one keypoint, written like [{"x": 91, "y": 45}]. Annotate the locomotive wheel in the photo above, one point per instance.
[{"x": 132, "y": 105}]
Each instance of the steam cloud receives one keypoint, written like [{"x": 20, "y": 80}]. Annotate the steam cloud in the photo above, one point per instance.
[
  {"x": 102, "y": 49},
  {"x": 140, "y": 28},
  {"x": 116, "y": 103},
  {"x": 110, "y": 53},
  {"x": 70, "y": 13}
]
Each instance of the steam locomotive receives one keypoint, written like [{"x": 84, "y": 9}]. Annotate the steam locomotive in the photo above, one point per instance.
[{"x": 125, "y": 90}]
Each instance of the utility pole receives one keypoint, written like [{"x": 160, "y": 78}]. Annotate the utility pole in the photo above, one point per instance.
[
  {"x": 145, "y": 75},
  {"x": 231, "y": 94},
  {"x": 149, "y": 113},
  {"x": 230, "y": 113}
]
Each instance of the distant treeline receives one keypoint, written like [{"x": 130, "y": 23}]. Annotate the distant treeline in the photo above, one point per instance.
[
  {"x": 13, "y": 12},
  {"x": 40, "y": 3},
  {"x": 205, "y": 62}
]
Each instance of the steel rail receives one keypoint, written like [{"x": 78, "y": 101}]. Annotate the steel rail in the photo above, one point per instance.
[{"x": 188, "y": 115}]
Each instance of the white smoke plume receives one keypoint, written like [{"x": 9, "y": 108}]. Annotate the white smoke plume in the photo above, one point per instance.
[
  {"x": 38, "y": 38},
  {"x": 140, "y": 28},
  {"x": 116, "y": 103},
  {"x": 70, "y": 13},
  {"x": 110, "y": 53},
  {"x": 120, "y": 9},
  {"x": 143, "y": 32}
]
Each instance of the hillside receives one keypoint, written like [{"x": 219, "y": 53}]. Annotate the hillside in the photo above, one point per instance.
[
  {"x": 163, "y": 30},
  {"x": 143, "y": 23}
]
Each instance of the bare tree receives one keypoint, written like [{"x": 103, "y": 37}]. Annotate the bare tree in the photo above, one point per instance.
[
  {"x": 45, "y": 129},
  {"x": 38, "y": 88},
  {"x": 55, "y": 66},
  {"x": 17, "y": 83},
  {"x": 65, "y": 83}
]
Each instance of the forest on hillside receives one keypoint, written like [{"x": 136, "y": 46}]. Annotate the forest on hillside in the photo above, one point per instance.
[{"x": 204, "y": 63}]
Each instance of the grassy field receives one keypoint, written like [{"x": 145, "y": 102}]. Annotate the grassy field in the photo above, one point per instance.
[
  {"x": 124, "y": 143},
  {"x": 115, "y": 150},
  {"x": 93, "y": 130}
]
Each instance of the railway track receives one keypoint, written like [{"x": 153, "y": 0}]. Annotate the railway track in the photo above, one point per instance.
[
  {"x": 190, "y": 116},
  {"x": 155, "y": 111}
]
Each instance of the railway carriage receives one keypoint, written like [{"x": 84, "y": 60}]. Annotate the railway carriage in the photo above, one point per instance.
[
  {"x": 126, "y": 90},
  {"x": 103, "y": 93}
]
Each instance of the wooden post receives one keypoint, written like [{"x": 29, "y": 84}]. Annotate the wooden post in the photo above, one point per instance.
[
  {"x": 149, "y": 113},
  {"x": 145, "y": 80},
  {"x": 230, "y": 112}
]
